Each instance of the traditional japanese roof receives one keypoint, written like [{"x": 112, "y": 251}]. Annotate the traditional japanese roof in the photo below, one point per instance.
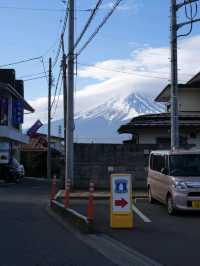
[
  {"x": 193, "y": 83},
  {"x": 160, "y": 120}
]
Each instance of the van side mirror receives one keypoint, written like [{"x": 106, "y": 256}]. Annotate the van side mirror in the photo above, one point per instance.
[{"x": 164, "y": 171}]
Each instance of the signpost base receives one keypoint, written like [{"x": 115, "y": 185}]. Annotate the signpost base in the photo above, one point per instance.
[
  {"x": 118, "y": 220},
  {"x": 121, "y": 215}
]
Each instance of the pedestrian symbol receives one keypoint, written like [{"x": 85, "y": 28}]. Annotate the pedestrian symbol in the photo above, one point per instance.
[{"x": 121, "y": 186}]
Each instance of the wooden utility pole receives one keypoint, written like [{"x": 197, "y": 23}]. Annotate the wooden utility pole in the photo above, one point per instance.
[
  {"x": 174, "y": 79},
  {"x": 69, "y": 170},
  {"x": 49, "y": 121},
  {"x": 64, "y": 69}
]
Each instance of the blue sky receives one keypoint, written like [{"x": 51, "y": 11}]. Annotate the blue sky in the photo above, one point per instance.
[{"x": 136, "y": 28}]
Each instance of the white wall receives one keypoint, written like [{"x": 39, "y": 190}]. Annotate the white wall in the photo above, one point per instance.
[
  {"x": 149, "y": 136},
  {"x": 189, "y": 100}
]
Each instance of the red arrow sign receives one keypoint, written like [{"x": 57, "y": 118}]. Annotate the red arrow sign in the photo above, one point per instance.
[{"x": 121, "y": 203}]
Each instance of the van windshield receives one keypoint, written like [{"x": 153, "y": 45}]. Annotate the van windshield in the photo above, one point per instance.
[{"x": 185, "y": 165}]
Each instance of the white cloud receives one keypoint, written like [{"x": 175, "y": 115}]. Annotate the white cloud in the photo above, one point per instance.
[
  {"x": 146, "y": 71},
  {"x": 133, "y": 5}
]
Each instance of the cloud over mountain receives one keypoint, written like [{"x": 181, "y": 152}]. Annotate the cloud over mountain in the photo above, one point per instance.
[{"x": 145, "y": 72}]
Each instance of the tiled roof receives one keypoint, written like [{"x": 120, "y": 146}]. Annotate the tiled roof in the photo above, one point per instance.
[{"x": 160, "y": 120}]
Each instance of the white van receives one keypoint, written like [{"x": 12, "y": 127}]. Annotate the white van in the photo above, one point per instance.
[{"x": 174, "y": 179}]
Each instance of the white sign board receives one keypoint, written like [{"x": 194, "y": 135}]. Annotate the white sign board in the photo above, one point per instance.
[
  {"x": 121, "y": 193},
  {"x": 4, "y": 157}
]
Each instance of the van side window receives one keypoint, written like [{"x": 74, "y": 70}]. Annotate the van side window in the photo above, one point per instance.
[{"x": 157, "y": 162}]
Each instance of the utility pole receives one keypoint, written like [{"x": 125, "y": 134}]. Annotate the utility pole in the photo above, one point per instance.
[
  {"x": 64, "y": 69},
  {"x": 49, "y": 122},
  {"x": 174, "y": 79},
  {"x": 70, "y": 98},
  {"x": 175, "y": 131}
]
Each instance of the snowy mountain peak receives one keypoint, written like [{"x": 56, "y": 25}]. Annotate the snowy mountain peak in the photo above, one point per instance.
[{"x": 121, "y": 109}]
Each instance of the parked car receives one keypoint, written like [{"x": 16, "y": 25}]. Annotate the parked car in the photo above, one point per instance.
[
  {"x": 174, "y": 179},
  {"x": 14, "y": 171}
]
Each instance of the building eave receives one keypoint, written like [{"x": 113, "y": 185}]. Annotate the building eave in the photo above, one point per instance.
[
  {"x": 13, "y": 135},
  {"x": 15, "y": 93}
]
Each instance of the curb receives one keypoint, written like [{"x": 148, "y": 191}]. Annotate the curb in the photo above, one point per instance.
[{"x": 73, "y": 217}]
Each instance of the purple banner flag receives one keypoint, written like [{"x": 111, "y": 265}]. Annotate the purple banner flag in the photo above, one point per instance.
[{"x": 38, "y": 124}]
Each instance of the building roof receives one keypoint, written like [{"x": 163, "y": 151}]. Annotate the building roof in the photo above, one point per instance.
[
  {"x": 38, "y": 142},
  {"x": 160, "y": 120},
  {"x": 15, "y": 93},
  {"x": 164, "y": 95},
  {"x": 45, "y": 135},
  {"x": 176, "y": 152}
]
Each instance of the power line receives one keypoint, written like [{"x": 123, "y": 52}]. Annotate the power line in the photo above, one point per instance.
[
  {"x": 32, "y": 9},
  {"x": 56, "y": 88},
  {"x": 40, "y": 77},
  {"x": 91, "y": 17},
  {"x": 43, "y": 65},
  {"x": 58, "y": 98},
  {"x": 115, "y": 5},
  {"x": 22, "y": 61},
  {"x": 62, "y": 33},
  {"x": 41, "y": 9},
  {"x": 31, "y": 75}
]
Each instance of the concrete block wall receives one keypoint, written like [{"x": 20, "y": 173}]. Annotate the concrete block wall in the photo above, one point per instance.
[{"x": 98, "y": 161}]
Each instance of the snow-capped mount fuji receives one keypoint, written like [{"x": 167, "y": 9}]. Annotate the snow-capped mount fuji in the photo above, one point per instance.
[
  {"x": 99, "y": 124},
  {"x": 121, "y": 108}
]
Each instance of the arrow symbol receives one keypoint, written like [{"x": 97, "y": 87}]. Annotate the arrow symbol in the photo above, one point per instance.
[{"x": 121, "y": 203}]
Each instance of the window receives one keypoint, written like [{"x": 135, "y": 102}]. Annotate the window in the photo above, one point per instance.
[
  {"x": 157, "y": 162},
  {"x": 3, "y": 111},
  {"x": 185, "y": 165}
]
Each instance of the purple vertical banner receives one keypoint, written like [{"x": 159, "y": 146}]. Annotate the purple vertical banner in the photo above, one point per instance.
[
  {"x": 3, "y": 111},
  {"x": 31, "y": 132},
  {"x": 18, "y": 112}
]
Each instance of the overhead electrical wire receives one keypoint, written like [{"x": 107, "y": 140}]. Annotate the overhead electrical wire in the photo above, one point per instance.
[
  {"x": 41, "y": 9},
  {"x": 62, "y": 33},
  {"x": 40, "y": 77},
  {"x": 56, "y": 88},
  {"x": 45, "y": 72},
  {"x": 190, "y": 15},
  {"x": 58, "y": 98},
  {"x": 115, "y": 5},
  {"x": 22, "y": 61},
  {"x": 91, "y": 17}
]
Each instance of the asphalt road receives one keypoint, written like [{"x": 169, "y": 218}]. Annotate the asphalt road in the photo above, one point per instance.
[
  {"x": 30, "y": 237},
  {"x": 168, "y": 240}
]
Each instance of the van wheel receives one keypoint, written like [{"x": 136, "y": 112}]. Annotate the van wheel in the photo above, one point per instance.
[
  {"x": 170, "y": 205},
  {"x": 150, "y": 198}
]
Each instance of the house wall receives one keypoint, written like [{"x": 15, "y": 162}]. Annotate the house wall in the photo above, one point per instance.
[
  {"x": 189, "y": 100},
  {"x": 148, "y": 136}
]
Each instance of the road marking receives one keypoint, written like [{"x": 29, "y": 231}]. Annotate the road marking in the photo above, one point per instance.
[
  {"x": 139, "y": 213},
  {"x": 114, "y": 250},
  {"x": 71, "y": 211}
]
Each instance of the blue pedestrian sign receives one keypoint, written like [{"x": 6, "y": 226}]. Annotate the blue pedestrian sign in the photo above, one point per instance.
[{"x": 121, "y": 186}]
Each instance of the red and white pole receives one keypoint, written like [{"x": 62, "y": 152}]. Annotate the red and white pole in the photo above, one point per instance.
[
  {"x": 90, "y": 207},
  {"x": 67, "y": 194}
]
